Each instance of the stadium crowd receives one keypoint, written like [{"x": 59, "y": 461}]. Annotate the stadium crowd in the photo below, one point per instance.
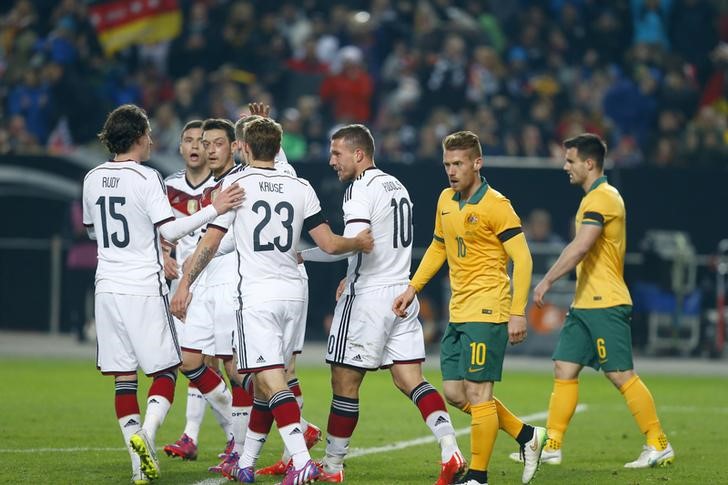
[{"x": 648, "y": 75}]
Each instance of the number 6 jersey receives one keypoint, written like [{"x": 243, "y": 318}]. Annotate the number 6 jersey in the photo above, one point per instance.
[{"x": 125, "y": 202}]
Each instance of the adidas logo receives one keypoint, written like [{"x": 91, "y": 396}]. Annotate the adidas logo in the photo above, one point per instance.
[
  {"x": 260, "y": 359},
  {"x": 131, "y": 422},
  {"x": 357, "y": 358},
  {"x": 441, "y": 420},
  {"x": 153, "y": 401},
  {"x": 261, "y": 440},
  {"x": 295, "y": 430}
]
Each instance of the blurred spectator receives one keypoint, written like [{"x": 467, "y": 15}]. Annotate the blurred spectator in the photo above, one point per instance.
[
  {"x": 349, "y": 92},
  {"x": 293, "y": 141},
  {"x": 166, "y": 128},
  {"x": 537, "y": 228}
]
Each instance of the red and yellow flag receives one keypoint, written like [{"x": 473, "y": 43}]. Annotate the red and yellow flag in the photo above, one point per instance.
[{"x": 121, "y": 23}]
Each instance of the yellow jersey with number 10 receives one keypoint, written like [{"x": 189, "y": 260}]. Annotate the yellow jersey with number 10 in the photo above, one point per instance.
[{"x": 473, "y": 233}]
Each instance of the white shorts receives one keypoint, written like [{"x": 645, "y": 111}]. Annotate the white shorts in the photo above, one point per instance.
[
  {"x": 366, "y": 334},
  {"x": 134, "y": 332},
  {"x": 211, "y": 320},
  {"x": 267, "y": 334}
]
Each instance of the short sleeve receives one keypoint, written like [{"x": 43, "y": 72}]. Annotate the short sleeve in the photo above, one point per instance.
[
  {"x": 312, "y": 206},
  {"x": 504, "y": 221},
  {"x": 598, "y": 209},
  {"x": 156, "y": 201},
  {"x": 356, "y": 206}
]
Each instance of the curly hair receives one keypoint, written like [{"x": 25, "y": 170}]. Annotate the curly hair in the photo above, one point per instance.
[{"x": 124, "y": 126}]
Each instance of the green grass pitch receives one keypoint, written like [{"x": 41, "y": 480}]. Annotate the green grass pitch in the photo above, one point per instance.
[{"x": 57, "y": 426}]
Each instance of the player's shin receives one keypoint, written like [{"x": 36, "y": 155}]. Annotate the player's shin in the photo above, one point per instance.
[
  {"x": 343, "y": 417},
  {"x": 435, "y": 415},
  {"x": 161, "y": 396},
  {"x": 127, "y": 413}
]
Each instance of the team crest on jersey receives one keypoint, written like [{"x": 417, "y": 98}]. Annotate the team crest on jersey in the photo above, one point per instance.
[
  {"x": 192, "y": 206},
  {"x": 471, "y": 219}
]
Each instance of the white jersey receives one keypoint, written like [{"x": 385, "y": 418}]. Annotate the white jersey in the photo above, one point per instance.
[
  {"x": 380, "y": 200},
  {"x": 125, "y": 202},
  {"x": 282, "y": 165},
  {"x": 220, "y": 270},
  {"x": 185, "y": 200},
  {"x": 267, "y": 229}
]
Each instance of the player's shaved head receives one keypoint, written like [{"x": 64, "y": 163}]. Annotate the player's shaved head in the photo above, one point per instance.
[{"x": 356, "y": 136}]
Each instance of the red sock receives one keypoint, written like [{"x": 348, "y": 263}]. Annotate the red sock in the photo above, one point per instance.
[
  {"x": 284, "y": 408},
  {"x": 240, "y": 397},
  {"x": 427, "y": 399},
  {"x": 261, "y": 419},
  {"x": 163, "y": 385},
  {"x": 125, "y": 399},
  {"x": 204, "y": 378},
  {"x": 343, "y": 416}
]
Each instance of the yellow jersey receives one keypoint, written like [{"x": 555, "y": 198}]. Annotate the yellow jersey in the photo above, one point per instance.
[
  {"x": 472, "y": 233},
  {"x": 600, "y": 275}
]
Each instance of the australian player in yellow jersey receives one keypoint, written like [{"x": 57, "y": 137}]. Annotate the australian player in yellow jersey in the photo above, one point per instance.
[
  {"x": 477, "y": 232},
  {"x": 596, "y": 332}
]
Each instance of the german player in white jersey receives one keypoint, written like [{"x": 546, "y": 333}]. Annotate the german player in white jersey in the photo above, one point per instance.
[
  {"x": 211, "y": 318},
  {"x": 266, "y": 230},
  {"x": 126, "y": 210},
  {"x": 365, "y": 335},
  {"x": 311, "y": 433},
  {"x": 185, "y": 189}
]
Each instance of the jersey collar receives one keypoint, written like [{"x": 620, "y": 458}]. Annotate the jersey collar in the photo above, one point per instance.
[
  {"x": 597, "y": 183},
  {"x": 476, "y": 197}
]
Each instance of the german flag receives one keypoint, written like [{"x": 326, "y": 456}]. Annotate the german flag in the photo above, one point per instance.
[{"x": 121, "y": 23}]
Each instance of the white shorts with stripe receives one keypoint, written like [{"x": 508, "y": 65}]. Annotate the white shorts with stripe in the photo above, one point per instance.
[
  {"x": 134, "y": 332},
  {"x": 366, "y": 334},
  {"x": 211, "y": 320},
  {"x": 267, "y": 334}
]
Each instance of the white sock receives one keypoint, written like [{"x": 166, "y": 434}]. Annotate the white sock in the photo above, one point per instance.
[
  {"x": 441, "y": 426},
  {"x": 336, "y": 450},
  {"x": 240, "y": 419},
  {"x": 251, "y": 451},
  {"x": 129, "y": 425},
  {"x": 292, "y": 436},
  {"x": 157, "y": 409},
  {"x": 221, "y": 402},
  {"x": 195, "y": 413}
]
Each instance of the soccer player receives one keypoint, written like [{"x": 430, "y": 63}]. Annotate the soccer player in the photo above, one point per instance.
[
  {"x": 184, "y": 191},
  {"x": 311, "y": 433},
  {"x": 365, "y": 335},
  {"x": 125, "y": 208},
  {"x": 270, "y": 296},
  {"x": 211, "y": 316},
  {"x": 596, "y": 332},
  {"x": 477, "y": 232}
]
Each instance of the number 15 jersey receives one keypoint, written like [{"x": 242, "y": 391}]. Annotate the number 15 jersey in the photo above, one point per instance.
[
  {"x": 381, "y": 201},
  {"x": 125, "y": 202},
  {"x": 267, "y": 229}
]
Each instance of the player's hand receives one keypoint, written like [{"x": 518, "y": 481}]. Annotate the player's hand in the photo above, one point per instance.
[
  {"x": 340, "y": 288},
  {"x": 365, "y": 241},
  {"x": 299, "y": 258},
  {"x": 180, "y": 302},
  {"x": 540, "y": 291},
  {"x": 517, "y": 330},
  {"x": 171, "y": 269},
  {"x": 259, "y": 109},
  {"x": 403, "y": 301},
  {"x": 229, "y": 198}
]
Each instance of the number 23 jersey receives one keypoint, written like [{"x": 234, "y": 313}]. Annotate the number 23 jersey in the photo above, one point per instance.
[
  {"x": 267, "y": 229},
  {"x": 125, "y": 202}
]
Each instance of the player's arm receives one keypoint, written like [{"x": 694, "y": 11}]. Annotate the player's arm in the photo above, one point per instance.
[
  {"x": 173, "y": 229},
  {"x": 194, "y": 266},
  {"x": 570, "y": 257},
  {"x": 318, "y": 255},
  {"x": 332, "y": 243},
  {"x": 515, "y": 245}
]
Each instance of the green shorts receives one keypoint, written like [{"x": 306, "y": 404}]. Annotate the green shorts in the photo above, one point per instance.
[
  {"x": 597, "y": 337},
  {"x": 473, "y": 351}
]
